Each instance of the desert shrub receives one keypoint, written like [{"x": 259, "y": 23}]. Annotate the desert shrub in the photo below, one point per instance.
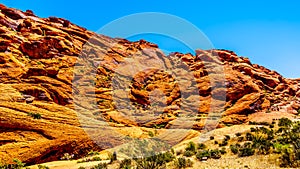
[
  {"x": 151, "y": 134},
  {"x": 191, "y": 147},
  {"x": 234, "y": 149},
  {"x": 284, "y": 122},
  {"x": 126, "y": 164},
  {"x": 215, "y": 154},
  {"x": 227, "y": 137},
  {"x": 289, "y": 158},
  {"x": 81, "y": 167},
  {"x": 201, "y": 146},
  {"x": 238, "y": 134},
  {"x": 211, "y": 137},
  {"x": 96, "y": 159},
  {"x": 100, "y": 166},
  {"x": 35, "y": 115},
  {"x": 188, "y": 153},
  {"x": 43, "y": 167},
  {"x": 216, "y": 142},
  {"x": 224, "y": 143},
  {"x": 167, "y": 156},
  {"x": 17, "y": 165},
  {"x": 93, "y": 153},
  {"x": 223, "y": 151},
  {"x": 249, "y": 136},
  {"x": 156, "y": 161},
  {"x": 240, "y": 138},
  {"x": 246, "y": 150},
  {"x": 183, "y": 163},
  {"x": 202, "y": 153}
]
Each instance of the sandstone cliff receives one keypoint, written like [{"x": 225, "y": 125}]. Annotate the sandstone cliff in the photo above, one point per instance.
[{"x": 42, "y": 58}]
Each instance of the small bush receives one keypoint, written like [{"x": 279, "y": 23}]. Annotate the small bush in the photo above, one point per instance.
[
  {"x": 43, "y": 167},
  {"x": 201, "y": 146},
  {"x": 125, "y": 164},
  {"x": 93, "y": 153},
  {"x": 191, "y": 147},
  {"x": 224, "y": 143},
  {"x": 183, "y": 163},
  {"x": 188, "y": 153},
  {"x": 246, "y": 150},
  {"x": 151, "y": 134},
  {"x": 284, "y": 122},
  {"x": 234, "y": 149},
  {"x": 202, "y": 153},
  {"x": 100, "y": 166},
  {"x": 96, "y": 159},
  {"x": 223, "y": 151},
  {"x": 35, "y": 115},
  {"x": 211, "y": 137},
  {"x": 238, "y": 134},
  {"x": 155, "y": 161},
  {"x": 240, "y": 139},
  {"x": 215, "y": 154},
  {"x": 227, "y": 137}
]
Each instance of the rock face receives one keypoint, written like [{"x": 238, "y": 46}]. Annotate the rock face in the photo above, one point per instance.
[{"x": 43, "y": 65}]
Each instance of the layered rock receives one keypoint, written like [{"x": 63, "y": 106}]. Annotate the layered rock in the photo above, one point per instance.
[{"x": 75, "y": 79}]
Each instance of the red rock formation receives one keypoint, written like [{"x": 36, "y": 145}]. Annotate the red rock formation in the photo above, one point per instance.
[{"x": 39, "y": 58}]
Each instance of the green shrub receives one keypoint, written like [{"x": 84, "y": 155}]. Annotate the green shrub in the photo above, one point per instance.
[
  {"x": 202, "y": 153},
  {"x": 17, "y": 165},
  {"x": 234, "y": 148},
  {"x": 284, "y": 122},
  {"x": 96, "y": 159},
  {"x": 100, "y": 166},
  {"x": 35, "y": 115},
  {"x": 151, "y": 134},
  {"x": 93, "y": 153},
  {"x": 183, "y": 163},
  {"x": 43, "y": 167},
  {"x": 223, "y": 151},
  {"x": 188, "y": 153},
  {"x": 155, "y": 162},
  {"x": 126, "y": 164},
  {"x": 191, "y": 147},
  {"x": 215, "y": 154},
  {"x": 201, "y": 146},
  {"x": 224, "y": 143},
  {"x": 246, "y": 150}
]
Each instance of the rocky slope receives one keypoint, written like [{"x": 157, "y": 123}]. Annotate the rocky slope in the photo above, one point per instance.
[{"x": 54, "y": 68}]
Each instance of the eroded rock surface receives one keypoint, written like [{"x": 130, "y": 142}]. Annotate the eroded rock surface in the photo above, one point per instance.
[{"x": 51, "y": 67}]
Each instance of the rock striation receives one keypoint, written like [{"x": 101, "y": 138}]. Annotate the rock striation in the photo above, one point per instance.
[{"x": 43, "y": 66}]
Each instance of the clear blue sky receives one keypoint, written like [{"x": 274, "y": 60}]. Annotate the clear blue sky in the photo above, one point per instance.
[{"x": 268, "y": 32}]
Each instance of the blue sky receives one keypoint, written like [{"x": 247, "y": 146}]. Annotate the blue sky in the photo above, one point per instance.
[{"x": 267, "y": 32}]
